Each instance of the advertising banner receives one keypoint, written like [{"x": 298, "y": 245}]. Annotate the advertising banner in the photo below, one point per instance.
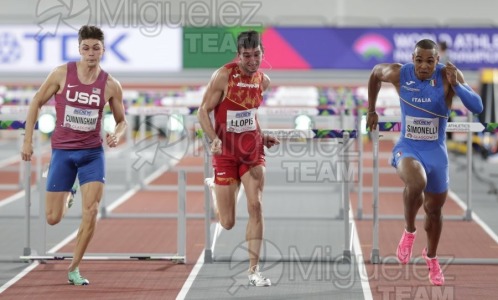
[
  {"x": 345, "y": 48},
  {"x": 24, "y": 49}
]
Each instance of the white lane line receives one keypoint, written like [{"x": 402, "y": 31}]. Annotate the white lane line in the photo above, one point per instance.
[
  {"x": 200, "y": 261},
  {"x": 475, "y": 217},
  {"x": 19, "y": 276},
  {"x": 362, "y": 270},
  {"x": 12, "y": 198},
  {"x": 191, "y": 278},
  {"x": 10, "y": 160}
]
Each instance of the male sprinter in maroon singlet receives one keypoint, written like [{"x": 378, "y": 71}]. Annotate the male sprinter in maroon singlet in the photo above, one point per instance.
[
  {"x": 235, "y": 93},
  {"x": 81, "y": 90}
]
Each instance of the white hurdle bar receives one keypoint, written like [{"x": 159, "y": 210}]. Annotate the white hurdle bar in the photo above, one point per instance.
[{"x": 469, "y": 128}]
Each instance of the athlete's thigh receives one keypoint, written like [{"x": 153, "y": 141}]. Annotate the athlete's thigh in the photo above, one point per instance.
[
  {"x": 409, "y": 165},
  {"x": 55, "y": 203},
  {"x": 91, "y": 165},
  {"x": 227, "y": 182},
  {"x": 91, "y": 194},
  {"x": 226, "y": 198},
  {"x": 438, "y": 175},
  {"x": 253, "y": 181},
  {"x": 61, "y": 172}
]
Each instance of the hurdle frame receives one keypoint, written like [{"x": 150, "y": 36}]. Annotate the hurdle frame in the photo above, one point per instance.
[
  {"x": 344, "y": 214},
  {"x": 30, "y": 254},
  {"x": 467, "y": 216}
]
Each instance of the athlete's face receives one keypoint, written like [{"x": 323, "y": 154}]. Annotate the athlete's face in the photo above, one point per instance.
[
  {"x": 425, "y": 61},
  {"x": 250, "y": 59},
  {"x": 91, "y": 51}
]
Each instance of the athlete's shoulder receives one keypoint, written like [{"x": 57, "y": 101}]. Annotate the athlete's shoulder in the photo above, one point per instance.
[
  {"x": 266, "y": 81},
  {"x": 113, "y": 85},
  {"x": 58, "y": 73}
]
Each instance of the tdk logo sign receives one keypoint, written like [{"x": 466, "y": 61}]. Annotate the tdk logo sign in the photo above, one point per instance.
[{"x": 70, "y": 41}]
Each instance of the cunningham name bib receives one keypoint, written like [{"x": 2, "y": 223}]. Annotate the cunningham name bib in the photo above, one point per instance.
[
  {"x": 241, "y": 120},
  {"x": 425, "y": 129},
  {"x": 80, "y": 118}
]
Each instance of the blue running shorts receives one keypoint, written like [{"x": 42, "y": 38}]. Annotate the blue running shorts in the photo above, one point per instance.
[
  {"x": 65, "y": 164},
  {"x": 434, "y": 161}
]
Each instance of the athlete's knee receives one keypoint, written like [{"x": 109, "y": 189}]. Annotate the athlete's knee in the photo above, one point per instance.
[
  {"x": 433, "y": 210},
  {"x": 52, "y": 218},
  {"x": 227, "y": 222},
  {"x": 91, "y": 212},
  {"x": 416, "y": 185}
]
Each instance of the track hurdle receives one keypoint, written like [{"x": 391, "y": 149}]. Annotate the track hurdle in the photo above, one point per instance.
[
  {"x": 288, "y": 134},
  {"x": 393, "y": 124},
  {"x": 40, "y": 253},
  {"x": 7, "y": 123}
]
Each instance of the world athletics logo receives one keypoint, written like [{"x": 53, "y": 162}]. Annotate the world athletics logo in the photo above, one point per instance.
[{"x": 373, "y": 46}]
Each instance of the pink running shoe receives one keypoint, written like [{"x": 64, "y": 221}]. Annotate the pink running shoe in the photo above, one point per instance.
[
  {"x": 405, "y": 246},
  {"x": 436, "y": 276}
]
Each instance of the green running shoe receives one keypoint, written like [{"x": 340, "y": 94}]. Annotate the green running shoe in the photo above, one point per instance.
[{"x": 75, "y": 278}]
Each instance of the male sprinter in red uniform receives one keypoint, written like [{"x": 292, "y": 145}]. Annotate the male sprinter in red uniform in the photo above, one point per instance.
[
  {"x": 235, "y": 93},
  {"x": 81, "y": 90}
]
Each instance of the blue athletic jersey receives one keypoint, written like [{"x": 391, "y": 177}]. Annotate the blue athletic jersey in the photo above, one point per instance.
[
  {"x": 423, "y": 108},
  {"x": 423, "y": 119}
]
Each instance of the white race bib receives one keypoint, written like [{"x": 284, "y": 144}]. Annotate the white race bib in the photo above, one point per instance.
[
  {"x": 241, "y": 120},
  {"x": 424, "y": 129},
  {"x": 80, "y": 118}
]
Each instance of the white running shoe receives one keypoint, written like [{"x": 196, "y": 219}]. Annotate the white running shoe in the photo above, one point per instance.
[
  {"x": 210, "y": 183},
  {"x": 70, "y": 199},
  {"x": 256, "y": 278}
]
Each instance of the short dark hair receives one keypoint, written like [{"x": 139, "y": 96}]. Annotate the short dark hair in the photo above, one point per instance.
[
  {"x": 249, "y": 40},
  {"x": 90, "y": 32},
  {"x": 426, "y": 44}
]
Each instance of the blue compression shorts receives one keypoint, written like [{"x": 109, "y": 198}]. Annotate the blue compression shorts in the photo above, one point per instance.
[
  {"x": 434, "y": 161},
  {"x": 88, "y": 164}
]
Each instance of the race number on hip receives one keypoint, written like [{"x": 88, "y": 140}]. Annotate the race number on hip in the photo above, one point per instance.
[{"x": 241, "y": 120}]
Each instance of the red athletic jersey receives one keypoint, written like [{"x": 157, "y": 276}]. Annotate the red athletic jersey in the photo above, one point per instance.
[
  {"x": 79, "y": 112},
  {"x": 236, "y": 124}
]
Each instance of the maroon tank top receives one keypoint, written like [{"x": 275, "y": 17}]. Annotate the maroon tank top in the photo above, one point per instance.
[{"x": 79, "y": 112}]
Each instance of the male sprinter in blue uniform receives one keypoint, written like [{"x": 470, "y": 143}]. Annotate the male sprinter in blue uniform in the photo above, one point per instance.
[{"x": 426, "y": 89}]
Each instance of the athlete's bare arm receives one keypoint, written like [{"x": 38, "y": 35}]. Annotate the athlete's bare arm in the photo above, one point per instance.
[
  {"x": 212, "y": 97},
  {"x": 268, "y": 140},
  {"x": 52, "y": 84},
  {"x": 380, "y": 73},
  {"x": 114, "y": 92}
]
